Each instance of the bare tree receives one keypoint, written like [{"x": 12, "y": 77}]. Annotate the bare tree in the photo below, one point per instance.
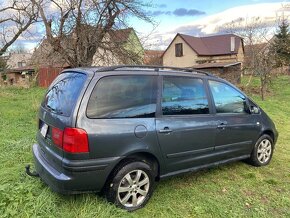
[
  {"x": 15, "y": 18},
  {"x": 3, "y": 64},
  {"x": 257, "y": 35},
  {"x": 77, "y": 29}
]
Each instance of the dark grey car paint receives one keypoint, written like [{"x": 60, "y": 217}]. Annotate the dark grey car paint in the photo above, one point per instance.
[{"x": 179, "y": 143}]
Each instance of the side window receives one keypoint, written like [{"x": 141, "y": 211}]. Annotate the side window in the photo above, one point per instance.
[
  {"x": 227, "y": 99},
  {"x": 183, "y": 95},
  {"x": 123, "y": 97}
]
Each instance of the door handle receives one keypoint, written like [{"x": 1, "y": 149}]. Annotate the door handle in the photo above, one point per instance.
[
  {"x": 165, "y": 130},
  {"x": 222, "y": 125}
]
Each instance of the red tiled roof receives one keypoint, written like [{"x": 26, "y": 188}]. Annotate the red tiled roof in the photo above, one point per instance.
[
  {"x": 153, "y": 57},
  {"x": 153, "y": 52},
  {"x": 212, "y": 45}
]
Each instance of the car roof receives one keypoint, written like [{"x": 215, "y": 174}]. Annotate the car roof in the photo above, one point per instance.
[{"x": 139, "y": 69}]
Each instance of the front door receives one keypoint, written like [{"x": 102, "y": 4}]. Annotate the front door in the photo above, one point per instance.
[
  {"x": 237, "y": 129},
  {"x": 185, "y": 130}
]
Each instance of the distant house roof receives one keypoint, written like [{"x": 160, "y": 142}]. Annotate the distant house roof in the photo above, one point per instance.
[
  {"x": 250, "y": 49},
  {"x": 216, "y": 65},
  {"x": 28, "y": 69},
  {"x": 153, "y": 52},
  {"x": 13, "y": 59},
  {"x": 153, "y": 57},
  {"x": 121, "y": 35},
  {"x": 212, "y": 45}
]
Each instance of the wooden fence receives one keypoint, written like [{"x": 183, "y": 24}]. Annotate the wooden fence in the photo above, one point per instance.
[{"x": 47, "y": 74}]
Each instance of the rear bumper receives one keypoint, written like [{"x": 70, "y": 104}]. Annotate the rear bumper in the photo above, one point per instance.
[{"x": 76, "y": 176}]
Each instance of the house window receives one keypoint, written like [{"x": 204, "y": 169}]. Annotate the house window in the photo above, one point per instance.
[
  {"x": 21, "y": 64},
  {"x": 178, "y": 50}
]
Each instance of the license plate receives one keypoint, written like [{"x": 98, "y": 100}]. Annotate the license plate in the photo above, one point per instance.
[{"x": 43, "y": 130}]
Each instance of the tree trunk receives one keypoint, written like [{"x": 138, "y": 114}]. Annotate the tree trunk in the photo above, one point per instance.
[{"x": 262, "y": 89}]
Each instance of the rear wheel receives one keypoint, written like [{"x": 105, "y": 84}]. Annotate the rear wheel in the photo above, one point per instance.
[
  {"x": 262, "y": 152},
  {"x": 131, "y": 186}
]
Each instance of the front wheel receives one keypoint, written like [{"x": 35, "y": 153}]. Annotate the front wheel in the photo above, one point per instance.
[
  {"x": 131, "y": 186},
  {"x": 262, "y": 152}
]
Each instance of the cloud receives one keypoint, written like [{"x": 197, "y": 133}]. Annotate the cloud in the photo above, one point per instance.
[
  {"x": 267, "y": 13},
  {"x": 162, "y": 6},
  {"x": 158, "y": 13},
  {"x": 185, "y": 12},
  {"x": 177, "y": 12}
]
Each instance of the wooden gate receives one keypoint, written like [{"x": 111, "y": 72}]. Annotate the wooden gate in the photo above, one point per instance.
[{"x": 47, "y": 74}]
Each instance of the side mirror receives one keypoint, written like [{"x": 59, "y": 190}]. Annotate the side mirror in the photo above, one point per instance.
[{"x": 254, "y": 110}]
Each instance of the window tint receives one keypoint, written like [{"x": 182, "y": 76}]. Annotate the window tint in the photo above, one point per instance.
[
  {"x": 227, "y": 99},
  {"x": 123, "y": 97},
  {"x": 178, "y": 50},
  {"x": 62, "y": 96},
  {"x": 183, "y": 96}
]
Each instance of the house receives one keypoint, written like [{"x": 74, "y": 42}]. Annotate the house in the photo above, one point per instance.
[
  {"x": 118, "y": 47},
  {"x": 43, "y": 55},
  {"x": 121, "y": 47},
  {"x": 20, "y": 76},
  {"x": 153, "y": 57},
  {"x": 18, "y": 69},
  {"x": 222, "y": 55},
  {"x": 18, "y": 60}
]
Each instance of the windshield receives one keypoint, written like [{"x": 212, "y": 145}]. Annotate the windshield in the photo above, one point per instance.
[{"x": 62, "y": 96}]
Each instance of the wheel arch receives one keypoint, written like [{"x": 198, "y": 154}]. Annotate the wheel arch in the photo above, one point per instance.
[
  {"x": 269, "y": 133},
  {"x": 142, "y": 156}
]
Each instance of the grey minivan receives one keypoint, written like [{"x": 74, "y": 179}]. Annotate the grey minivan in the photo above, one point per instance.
[{"x": 120, "y": 129}]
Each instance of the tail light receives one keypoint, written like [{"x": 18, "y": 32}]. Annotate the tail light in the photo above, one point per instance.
[
  {"x": 75, "y": 140},
  {"x": 57, "y": 136},
  {"x": 72, "y": 140}
]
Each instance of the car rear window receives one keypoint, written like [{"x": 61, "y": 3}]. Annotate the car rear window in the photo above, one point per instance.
[{"x": 62, "y": 96}]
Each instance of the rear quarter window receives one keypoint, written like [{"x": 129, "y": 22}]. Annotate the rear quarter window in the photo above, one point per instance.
[
  {"x": 123, "y": 97},
  {"x": 63, "y": 94}
]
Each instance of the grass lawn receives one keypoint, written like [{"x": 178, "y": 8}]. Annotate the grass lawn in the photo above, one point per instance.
[{"x": 234, "y": 190}]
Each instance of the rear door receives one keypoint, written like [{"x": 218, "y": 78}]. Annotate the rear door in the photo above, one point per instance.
[
  {"x": 185, "y": 130},
  {"x": 237, "y": 129},
  {"x": 56, "y": 113}
]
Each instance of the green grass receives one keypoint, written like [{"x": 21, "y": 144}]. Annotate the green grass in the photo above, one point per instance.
[{"x": 234, "y": 190}]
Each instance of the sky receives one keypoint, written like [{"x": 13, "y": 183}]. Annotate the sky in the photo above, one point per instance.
[
  {"x": 192, "y": 17},
  {"x": 203, "y": 17}
]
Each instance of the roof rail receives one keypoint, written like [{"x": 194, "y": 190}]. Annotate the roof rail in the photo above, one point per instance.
[{"x": 156, "y": 68}]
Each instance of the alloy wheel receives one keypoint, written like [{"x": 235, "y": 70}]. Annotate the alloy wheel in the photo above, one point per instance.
[
  {"x": 264, "y": 151},
  {"x": 133, "y": 188}
]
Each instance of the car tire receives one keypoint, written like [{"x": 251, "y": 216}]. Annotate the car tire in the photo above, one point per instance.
[
  {"x": 262, "y": 152},
  {"x": 131, "y": 185}
]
